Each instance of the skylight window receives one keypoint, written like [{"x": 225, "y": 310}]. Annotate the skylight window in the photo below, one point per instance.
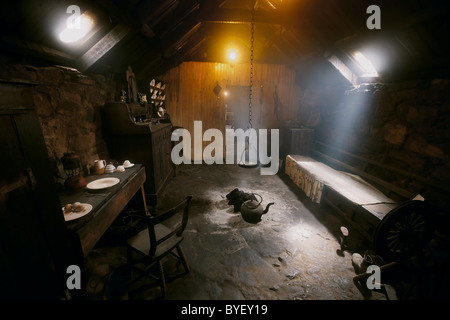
[
  {"x": 366, "y": 66},
  {"x": 77, "y": 30}
]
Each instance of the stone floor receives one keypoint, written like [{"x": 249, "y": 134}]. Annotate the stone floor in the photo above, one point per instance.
[{"x": 293, "y": 253}]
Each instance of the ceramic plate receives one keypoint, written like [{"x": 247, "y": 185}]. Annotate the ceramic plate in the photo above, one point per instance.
[
  {"x": 102, "y": 183},
  {"x": 129, "y": 166},
  {"x": 69, "y": 216}
]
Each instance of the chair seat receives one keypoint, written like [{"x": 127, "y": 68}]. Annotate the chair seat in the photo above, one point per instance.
[
  {"x": 162, "y": 236},
  {"x": 141, "y": 243}
]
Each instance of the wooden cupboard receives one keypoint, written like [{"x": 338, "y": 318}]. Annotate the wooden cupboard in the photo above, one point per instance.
[{"x": 145, "y": 141}]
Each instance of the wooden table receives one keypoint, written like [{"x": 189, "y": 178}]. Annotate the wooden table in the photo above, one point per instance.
[{"x": 106, "y": 204}]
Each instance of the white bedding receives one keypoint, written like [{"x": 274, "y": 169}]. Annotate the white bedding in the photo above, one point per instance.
[{"x": 311, "y": 176}]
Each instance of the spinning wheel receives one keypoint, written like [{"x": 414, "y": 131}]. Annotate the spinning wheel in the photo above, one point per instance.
[
  {"x": 402, "y": 234},
  {"x": 404, "y": 231}
]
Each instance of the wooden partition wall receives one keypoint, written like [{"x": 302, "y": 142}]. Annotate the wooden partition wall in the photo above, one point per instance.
[{"x": 190, "y": 95}]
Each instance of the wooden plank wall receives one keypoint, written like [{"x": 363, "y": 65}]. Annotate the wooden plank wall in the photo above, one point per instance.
[{"x": 190, "y": 96}]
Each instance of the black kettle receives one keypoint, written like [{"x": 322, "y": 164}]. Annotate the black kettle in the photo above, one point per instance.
[{"x": 252, "y": 210}]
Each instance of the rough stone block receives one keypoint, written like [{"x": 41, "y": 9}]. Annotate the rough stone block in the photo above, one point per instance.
[
  {"x": 395, "y": 133},
  {"x": 420, "y": 145},
  {"x": 50, "y": 76}
]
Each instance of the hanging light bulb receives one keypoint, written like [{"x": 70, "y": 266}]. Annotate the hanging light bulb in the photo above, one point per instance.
[{"x": 232, "y": 55}]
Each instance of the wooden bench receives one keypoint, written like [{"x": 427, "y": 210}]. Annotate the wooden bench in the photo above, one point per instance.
[{"x": 360, "y": 203}]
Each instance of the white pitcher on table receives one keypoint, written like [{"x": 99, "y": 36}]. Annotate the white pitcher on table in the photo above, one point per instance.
[{"x": 99, "y": 166}]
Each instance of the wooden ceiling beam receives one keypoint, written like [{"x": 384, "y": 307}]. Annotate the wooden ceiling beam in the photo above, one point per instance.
[
  {"x": 146, "y": 12},
  {"x": 105, "y": 44},
  {"x": 182, "y": 15},
  {"x": 181, "y": 40},
  {"x": 31, "y": 48},
  {"x": 175, "y": 35},
  {"x": 120, "y": 13},
  {"x": 185, "y": 54},
  {"x": 238, "y": 16}
]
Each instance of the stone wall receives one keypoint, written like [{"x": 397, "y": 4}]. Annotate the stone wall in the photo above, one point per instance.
[
  {"x": 68, "y": 104},
  {"x": 405, "y": 125}
]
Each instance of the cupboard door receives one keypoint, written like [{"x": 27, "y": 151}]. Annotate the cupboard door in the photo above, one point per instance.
[
  {"x": 167, "y": 152},
  {"x": 162, "y": 161},
  {"x": 157, "y": 162}
]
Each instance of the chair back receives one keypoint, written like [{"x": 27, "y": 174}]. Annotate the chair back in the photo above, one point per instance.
[{"x": 160, "y": 232}]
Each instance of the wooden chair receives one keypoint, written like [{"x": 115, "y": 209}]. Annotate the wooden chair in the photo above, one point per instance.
[{"x": 156, "y": 242}]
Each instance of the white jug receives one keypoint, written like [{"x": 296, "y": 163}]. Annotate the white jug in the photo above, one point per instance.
[{"x": 99, "y": 166}]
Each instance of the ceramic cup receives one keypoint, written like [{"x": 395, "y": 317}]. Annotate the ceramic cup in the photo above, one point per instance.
[
  {"x": 120, "y": 168},
  {"x": 126, "y": 163}
]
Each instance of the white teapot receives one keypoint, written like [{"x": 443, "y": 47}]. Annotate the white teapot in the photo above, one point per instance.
[{"x": 110, "y": 168}]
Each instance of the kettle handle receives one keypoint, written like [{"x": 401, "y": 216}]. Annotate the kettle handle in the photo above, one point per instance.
[{"x": 260, "y": 199}]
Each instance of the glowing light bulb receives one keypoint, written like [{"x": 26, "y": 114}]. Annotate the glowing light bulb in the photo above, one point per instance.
[{"x": 232, "y": 55}]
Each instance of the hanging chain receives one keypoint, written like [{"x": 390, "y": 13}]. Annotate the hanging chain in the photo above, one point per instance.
[{"x": 251, "y": 65}]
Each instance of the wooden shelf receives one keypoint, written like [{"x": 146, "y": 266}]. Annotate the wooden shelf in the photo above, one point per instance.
[{"x": 157, "y": 92}]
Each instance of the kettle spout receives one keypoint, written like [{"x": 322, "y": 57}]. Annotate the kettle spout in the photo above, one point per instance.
[{"x": 267, "y": 207}]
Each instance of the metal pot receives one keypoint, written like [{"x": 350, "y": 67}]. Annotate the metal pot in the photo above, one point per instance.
[
  {"x": 72, "y": 167},
  {"x": 74, "y": 183}
]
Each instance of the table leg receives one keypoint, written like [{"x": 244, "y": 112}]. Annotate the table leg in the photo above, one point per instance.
[{"x": 147, "y": 211}]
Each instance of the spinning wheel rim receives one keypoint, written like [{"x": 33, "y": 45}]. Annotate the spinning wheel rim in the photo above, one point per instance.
[{"x": 404, "y": 231}]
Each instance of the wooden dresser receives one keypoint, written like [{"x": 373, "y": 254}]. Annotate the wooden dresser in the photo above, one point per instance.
[{"x": 132, "y": 133}]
